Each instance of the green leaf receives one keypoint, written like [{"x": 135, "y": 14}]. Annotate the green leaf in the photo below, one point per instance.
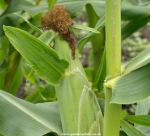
[
  {"x": 98, "y": 43},
  {"x": 122, "y": 133},
  {"x": 132, "y": 87},
  {"x": 92, "y": 16},
  {"x": 98, "y": 39},
  {"x": 133, "y": 25},
  {"x": 76, "y": 6},
  {"x": 4, "y": 48},
  {"x": 16, "y": 81},
  {"x": 86, "y": 28},
  {"x": 22, "y": 5},
  {"x": 47, "y": 37},
  {"x": 131, "y": 11},
  {"x": 25, "y": 16},
  {"x": 99, "y": 26},
  {"x": 144, "y": 129},
  {"x": 100, "y": 73},
  {"x": 21, "y": 118},
  {"x": 3, "y": 6},
  {"x": 139, "y": 61},
  {"x": 13, "y": 64},
  {"x": 137, "y": 14},
  {"x": 130, "y": 130},
  {"x": 3, "y": 72},
  {"x": 89, "y": 73},
  {"x": 42, "y": 94},
  {"x": 139, "y": 119},
  {"x": 44, "y": 60},
  {"x": 143, "y": 107},
  {"x": 51, "y": 3}
]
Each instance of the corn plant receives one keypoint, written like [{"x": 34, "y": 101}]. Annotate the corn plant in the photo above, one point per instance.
[{"x": 44, "y": 50}]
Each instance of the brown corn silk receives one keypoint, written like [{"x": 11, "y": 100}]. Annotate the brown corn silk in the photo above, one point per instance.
[{"x": 59, "y": 20}]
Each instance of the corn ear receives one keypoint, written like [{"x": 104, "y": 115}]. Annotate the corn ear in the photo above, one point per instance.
[{"x": 79, "y": 109}]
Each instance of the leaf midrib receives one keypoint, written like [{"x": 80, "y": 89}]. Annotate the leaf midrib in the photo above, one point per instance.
[{"x": 29, "y": 113}]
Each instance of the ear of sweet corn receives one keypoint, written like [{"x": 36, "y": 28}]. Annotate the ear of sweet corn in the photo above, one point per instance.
[
  {"x": 80, "y": 112},
  {"x": 89, "y": 110}
]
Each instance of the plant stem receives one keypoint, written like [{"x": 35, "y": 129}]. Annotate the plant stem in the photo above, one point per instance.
[
  {"x": 113, "y": 64},
  {"x": 12, "y": 67}
]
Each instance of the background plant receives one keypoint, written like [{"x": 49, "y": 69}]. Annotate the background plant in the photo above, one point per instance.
[{"x": 29, "y": 62}]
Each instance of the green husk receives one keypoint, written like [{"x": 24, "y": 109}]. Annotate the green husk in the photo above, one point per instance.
[{"x": 80, "y": 112}]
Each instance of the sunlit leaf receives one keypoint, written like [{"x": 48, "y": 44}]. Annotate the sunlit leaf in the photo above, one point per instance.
[
  {"x": 134, "y": 25},
  {"x": 99, "y": 26},
  {"x": 143, "y": 107},
  {"x": 130, "y": 130},
  {"x": 19, "y": 117},
  {"x": 132, "y": 87},
  {"x": 43, "y": 59},
  {"x": 139, "y": 119},
  {"x": 140, "y": 60},
  {"x": 86, "y": 28}
]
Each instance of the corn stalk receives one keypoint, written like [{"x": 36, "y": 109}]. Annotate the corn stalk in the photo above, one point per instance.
[{"x": 113, "y": 64}]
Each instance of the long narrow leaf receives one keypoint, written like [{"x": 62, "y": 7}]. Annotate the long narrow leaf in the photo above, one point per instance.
[
  {"x": 132, "y": 87},
  {"x": 21, "y": 118},
  {"x": 99, "y": 26},
  {"x": 143, "y": 108},
  {"x": 140, "y": 119},
  {"x": 133, "y": 25},
  {"x": 139, "y": 61},
  {"x": 86, "y": 28},
  {"x": 130, "y": 130},
  {"x": 43, "y": 59}
]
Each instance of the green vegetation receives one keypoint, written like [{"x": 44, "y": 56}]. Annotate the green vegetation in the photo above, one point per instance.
[{"x": 50, "y": 86}]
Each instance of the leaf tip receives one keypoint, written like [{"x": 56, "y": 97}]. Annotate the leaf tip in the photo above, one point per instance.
[{"x": 4, "y": 27}]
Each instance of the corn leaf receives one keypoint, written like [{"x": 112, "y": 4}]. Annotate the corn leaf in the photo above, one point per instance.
[
  {"x": 100, "y": 73},
  {"x": 139, "y": 119},
  {"x": 129, "y": 10},
  {"x": 98, "y": 43},
  {"x": 132, "y": 87},
  {"x": 16, "y": 81},
  {"x": 99, "y": 26},
  {"x": 21, "y": 118},
  {"x": 143, "y": 108},
  {"x": 25, "y": 16},
  {"x": 47, "y": 37},
  {"x": 130, "y": 130},
  {"x": 43, "y": 59},
  {"x": 133, "y": 10},
  {"x": 144, "y": 129},
  {"x": 86, "y": 28},
  {"x": 133, "y": 25},
  {"x": 139, "y": 61}
]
